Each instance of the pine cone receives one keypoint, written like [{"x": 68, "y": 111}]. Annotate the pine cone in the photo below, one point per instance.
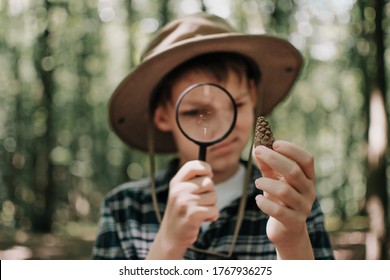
[{"x": 263, "y": 133}]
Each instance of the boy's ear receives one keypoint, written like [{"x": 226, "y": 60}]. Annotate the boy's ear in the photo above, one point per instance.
[{"x": 161, "y": 119}]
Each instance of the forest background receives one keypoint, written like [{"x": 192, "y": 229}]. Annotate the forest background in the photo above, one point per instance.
[{"x": 60, "y": 61}]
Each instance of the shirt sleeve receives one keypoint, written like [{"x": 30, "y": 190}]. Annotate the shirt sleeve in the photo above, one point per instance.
[
  {"x": 318, "y": 236},
  {"x": 107, "y": 244}
]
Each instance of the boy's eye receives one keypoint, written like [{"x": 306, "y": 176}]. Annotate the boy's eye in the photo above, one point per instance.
[
  {"x": 240, "y": 104},
  {"x": 242, "y": 101},
  {"x": 190, "y": 113}
]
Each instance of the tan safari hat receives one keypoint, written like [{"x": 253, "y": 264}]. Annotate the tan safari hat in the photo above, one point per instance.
[{"x": 181, "y": 40}]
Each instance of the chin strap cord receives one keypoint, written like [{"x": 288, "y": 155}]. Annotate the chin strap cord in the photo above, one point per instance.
[
  {"x": 243, "y": 200},
  {"x": 152, "y": 166}
]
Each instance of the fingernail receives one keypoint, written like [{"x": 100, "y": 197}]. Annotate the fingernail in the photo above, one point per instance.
[
  {"x": 258, "y": 151},
  {"x": 276, "y": 145}
]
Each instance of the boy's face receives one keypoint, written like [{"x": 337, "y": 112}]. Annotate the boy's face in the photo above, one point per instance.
[{"x": 223, "y": 156}]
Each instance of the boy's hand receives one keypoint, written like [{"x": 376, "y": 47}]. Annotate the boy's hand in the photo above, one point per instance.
[
  {"x": 288, "y": 184},
  {"x": 191, "y": 201}
]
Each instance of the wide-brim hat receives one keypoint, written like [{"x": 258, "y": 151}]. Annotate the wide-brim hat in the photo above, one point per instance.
[{"x": 181, "y": 40}]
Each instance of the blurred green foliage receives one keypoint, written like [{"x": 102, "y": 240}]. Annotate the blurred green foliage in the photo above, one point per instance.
[{"x": 60, "y": 60}]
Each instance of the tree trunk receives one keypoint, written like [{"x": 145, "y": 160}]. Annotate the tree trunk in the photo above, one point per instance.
[
  {"x": 165, "y": 13},
  {"x": 376, "y": 195},
  {"x": 44, "y": 183}
]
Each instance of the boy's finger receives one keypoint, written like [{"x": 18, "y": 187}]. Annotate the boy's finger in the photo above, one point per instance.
[
  {"x": 304, "y": 158},
  {"x": 193, "y": 169},
  {"x": 283, "y": 192},
  {"x": 204, "y": 184},
  {"x": 205, "y": 214},
  {"x": 208, "y": 199},
  {"x": 266, "y": 170},
  {"x": 286, "y": 167},
  {"x": 283, "y": 214},
  {"x": 212, "y": 214}
]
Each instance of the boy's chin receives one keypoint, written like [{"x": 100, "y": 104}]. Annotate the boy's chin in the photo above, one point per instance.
[{"x": 223, "y": 164}]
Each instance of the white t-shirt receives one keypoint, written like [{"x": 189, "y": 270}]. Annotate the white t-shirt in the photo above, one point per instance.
[{"x": 228, "y": 191}]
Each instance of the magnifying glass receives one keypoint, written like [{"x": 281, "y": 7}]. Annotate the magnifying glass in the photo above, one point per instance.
[{"x": 206, "y": 114}]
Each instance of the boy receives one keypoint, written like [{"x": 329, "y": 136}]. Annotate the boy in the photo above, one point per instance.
[{"x": 218, "y": 208}]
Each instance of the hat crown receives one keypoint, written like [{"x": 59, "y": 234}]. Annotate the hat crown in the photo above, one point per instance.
[{"x": 184, "y": 29}]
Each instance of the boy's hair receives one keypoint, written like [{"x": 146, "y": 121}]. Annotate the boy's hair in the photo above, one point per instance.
[{"x": 215, "y": 64}]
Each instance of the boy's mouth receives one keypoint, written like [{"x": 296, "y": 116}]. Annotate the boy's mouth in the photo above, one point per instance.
[{"x": 224, "y": 144}]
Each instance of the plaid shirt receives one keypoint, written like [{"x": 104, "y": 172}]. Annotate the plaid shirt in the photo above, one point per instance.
[{"x": 128, "y": 225}]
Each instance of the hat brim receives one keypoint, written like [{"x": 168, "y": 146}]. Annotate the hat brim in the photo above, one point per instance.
[{"x": 278, "y": 60}]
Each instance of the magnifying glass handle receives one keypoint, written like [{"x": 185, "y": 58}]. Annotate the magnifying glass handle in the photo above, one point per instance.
[{"x": 202, "y": 152}]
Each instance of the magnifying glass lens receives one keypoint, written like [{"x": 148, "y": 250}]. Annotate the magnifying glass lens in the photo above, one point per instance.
[{"x": 206, "y": 113}]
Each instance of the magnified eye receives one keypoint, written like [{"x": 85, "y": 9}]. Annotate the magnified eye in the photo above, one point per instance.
[
  {"x": 202, "y": 113},
  {"x": 191, "y": 113}
]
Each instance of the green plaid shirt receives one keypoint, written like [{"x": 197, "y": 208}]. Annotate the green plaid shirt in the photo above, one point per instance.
[{"x": 128, "y": 225}]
